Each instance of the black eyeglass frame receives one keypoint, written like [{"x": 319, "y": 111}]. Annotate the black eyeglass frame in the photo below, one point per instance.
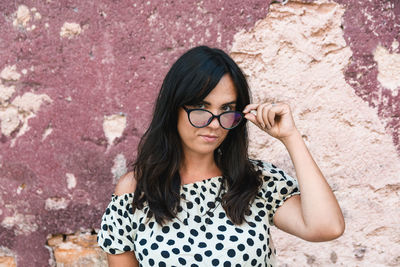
[{"x": 188, "y": 111}]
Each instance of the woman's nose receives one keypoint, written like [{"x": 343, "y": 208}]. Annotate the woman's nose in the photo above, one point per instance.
[{"x": 214, "y": 123}]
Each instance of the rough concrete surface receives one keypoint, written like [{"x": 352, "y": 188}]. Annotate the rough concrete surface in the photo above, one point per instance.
[
  {"x": 298, "y": 55},
  {"x": 78, "y": 80}
]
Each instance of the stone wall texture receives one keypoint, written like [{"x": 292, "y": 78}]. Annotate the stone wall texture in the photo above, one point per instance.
[{"x": 78, "y": 80}]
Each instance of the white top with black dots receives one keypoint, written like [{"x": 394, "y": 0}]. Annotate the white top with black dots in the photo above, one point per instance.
[{"x": 202, "y": 234}]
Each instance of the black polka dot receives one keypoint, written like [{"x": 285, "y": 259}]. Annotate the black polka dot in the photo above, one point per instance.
[
  {"x": 227, "y": 264},
  {"x": 176, "y": 251},
  {"x": 165, "y": 229},
  {"x": 284, "y": 191},
  {"x": 176, "y": 225},
  {"x": 171, "y": 242},
  {"x": 197, "y": 219},
  {"x": 215, "y": 262},
  {"x": 250, "y": 242},
  {"x": 141, "y": 227},
  {"x": 209, "y": 235},
  {"x": 208, "y": 253},
  {"x": 202, "y": 245},
  {"x": 238, "y": 230},
  {"x": 194, "y": 232},
  {"x": 233, "y": 238},
  {"x": 231, "y": 253},
  {"x": 107, "y": 242},
  {"x": 258, "y": 251},
  {"x": 151, "y": 262},
  {"x": 186, "y": 248},
  {"x": 241, "y": 247},
  {"x": 165, "y": 254},
  {"x": 222, "y": 228},
  {"x": 159, "y": 238},
  {"x": 182, "y": 261},
  {"x": 219, "y": 246},
  {"x": 246, "y": 257},
  {"x": 252, "y": 232},
  {"x": 198, "y": 257},
  {"x": 211, "y": 205},
  {"x": 154, "y": 246},
  {"x": 180, "y": 235}
]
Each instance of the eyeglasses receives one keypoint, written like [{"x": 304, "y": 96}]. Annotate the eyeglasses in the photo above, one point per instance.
[{"x": 200, "y": 118}]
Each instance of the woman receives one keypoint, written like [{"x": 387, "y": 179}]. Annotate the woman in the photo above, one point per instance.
[{"x": 194, "y": 197}]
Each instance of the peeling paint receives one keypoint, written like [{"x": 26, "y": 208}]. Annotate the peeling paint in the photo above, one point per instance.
[
  {"x": 71, "y": 180},
  {"x": 388, "y": 68},
  {"x": 47, "y": 132},
  {"x": 23, "y": 16},
  {"x": 10, "y": 73},
  {"x": 16, "y": 115},
  {"x": 9, "y": 120},
  {"x": 56, "y": 203},
  {"x": 119, "y": 167},
  {"x": 114, "y": 126},
  {"x": 70, "y": 30},
  {"x": 22, "y": 224},
  {"x": 6, "y": 92},
  {"x": 30, "y": 102}
]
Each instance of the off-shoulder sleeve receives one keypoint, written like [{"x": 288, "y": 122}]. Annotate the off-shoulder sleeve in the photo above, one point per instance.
[
  {"x": 277, "y": 186},
  {"x": 116, "y": 232}
]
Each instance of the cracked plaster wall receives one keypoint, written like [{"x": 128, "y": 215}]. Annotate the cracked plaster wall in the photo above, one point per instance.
[{"x": 77, "y": 84}]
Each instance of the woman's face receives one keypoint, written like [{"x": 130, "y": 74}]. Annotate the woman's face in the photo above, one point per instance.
[{"x": 206, "y": 140}]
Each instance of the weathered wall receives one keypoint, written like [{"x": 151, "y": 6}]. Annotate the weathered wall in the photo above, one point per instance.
[
  {"x": 77, "y": 83},
  {"x": 299, "y": 54}
]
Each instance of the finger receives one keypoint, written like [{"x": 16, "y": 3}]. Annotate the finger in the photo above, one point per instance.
[
  {"x": 251, "y": 117},
  {"x": 265, "y": 113},
  {"x": 271, "y": 116},
  {"x": 260, "y": 115},
  {"x": 250, "y": 107}
]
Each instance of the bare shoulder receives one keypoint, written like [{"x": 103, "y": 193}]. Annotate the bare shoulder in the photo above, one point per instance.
[{"x": 126, "y": 184}]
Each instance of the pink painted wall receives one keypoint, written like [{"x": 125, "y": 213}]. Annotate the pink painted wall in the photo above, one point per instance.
[{"x": 59, "y": 159}]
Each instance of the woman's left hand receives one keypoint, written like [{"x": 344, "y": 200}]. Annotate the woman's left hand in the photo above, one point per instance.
[{"x": 274, "y": 118}]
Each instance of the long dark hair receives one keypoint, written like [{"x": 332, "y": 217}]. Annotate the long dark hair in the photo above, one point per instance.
[{"x": 191, "y": 78}]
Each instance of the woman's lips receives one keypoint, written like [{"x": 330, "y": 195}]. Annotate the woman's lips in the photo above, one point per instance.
[{"x": 209, "y": 138}]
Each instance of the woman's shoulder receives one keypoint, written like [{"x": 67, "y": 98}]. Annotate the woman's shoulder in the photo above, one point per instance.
[
  {"x": 261, "y": 164},
  {"x": 126, "y": 184}
]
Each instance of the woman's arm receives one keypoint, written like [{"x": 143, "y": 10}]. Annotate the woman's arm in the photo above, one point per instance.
[
  {"x": 315, "y": 215},
  {"x": 126, "y": 184},
  {"x": 126, "y": 259}
]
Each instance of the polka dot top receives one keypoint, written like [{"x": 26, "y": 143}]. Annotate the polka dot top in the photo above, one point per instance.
[{"x": 202, "y": 234}]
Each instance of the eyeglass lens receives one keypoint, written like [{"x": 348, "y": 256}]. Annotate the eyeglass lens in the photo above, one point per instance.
[{"x": 201, "y": 118}]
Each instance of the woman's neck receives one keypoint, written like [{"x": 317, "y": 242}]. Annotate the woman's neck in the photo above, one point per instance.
[{"x": 197, "y": 168}]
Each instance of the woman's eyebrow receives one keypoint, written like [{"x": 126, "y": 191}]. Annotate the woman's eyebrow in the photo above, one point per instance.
[
  {"x": 225, "y": 104},
  {"x": 230, "y": 103}
]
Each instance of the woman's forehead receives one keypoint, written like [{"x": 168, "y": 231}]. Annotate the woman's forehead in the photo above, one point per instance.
[{"x": 224, "y": 92}]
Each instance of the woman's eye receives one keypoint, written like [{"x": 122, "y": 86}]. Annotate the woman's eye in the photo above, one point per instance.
[
  {"x": 199, "y": 106},
  {"x": 227, "y": 108}
]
